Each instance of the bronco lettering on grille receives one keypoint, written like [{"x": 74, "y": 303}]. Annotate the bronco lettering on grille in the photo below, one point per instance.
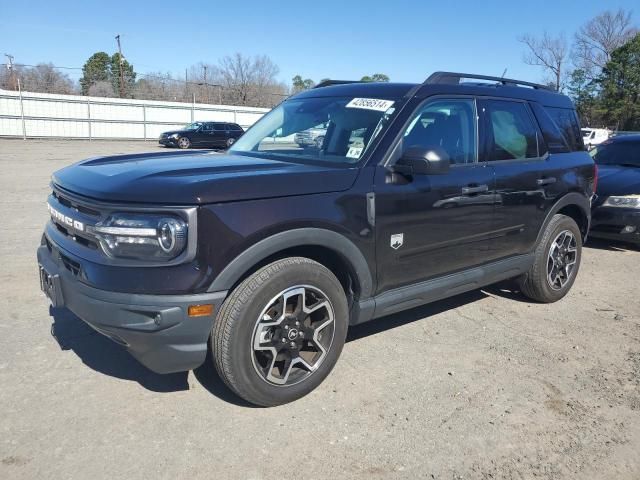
[{"x": 64, "y": 219}]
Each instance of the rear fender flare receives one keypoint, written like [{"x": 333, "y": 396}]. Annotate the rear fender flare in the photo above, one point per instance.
[{"x": 572, "y": 198}]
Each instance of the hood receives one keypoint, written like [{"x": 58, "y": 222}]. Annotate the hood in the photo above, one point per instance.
[
  {"x": 171, "y": 132},
  {"x": 177, "y": 178},
  {"x": 617, "y": 180}
]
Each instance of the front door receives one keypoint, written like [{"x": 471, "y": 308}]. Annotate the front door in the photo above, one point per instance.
[
  {"x": 203, "y": 135},
  {"x": 431, "y": 225}
]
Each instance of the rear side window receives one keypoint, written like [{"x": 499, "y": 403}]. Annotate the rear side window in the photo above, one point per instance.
[
  {"x": 219, "y": 127},
  {"x": 510, "y": 133},
  {"x": 567, "y": 121}
]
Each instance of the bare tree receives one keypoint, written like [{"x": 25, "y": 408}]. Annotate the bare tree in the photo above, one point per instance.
[
  {"x": 102, "y": 88},
  {"x": 249, "y": 80},
  {"x": 547, "y": 52},
  {"x": 45, "y": 78},
  {"x": 599, "y": 37},
  {"x": 159, "y": 86}
]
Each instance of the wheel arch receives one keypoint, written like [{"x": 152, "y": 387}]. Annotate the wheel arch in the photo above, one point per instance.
[
  {"x": 327, "y": 247},
  {"x": 574, "y": 205}
]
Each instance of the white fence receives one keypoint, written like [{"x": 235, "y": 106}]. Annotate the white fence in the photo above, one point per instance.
[{"x": 37, "y": 115}]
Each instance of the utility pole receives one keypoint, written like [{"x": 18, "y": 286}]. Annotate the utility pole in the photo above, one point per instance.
[
  {"x": 206, "y": 87},
  {"x": 11, "y": 71},
  {"x": 121, "y": 71}
]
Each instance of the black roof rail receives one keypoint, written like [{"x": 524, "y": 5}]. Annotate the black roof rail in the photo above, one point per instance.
[
  {"x": 439, "y": 78},
  {"x": 328, "y": 83}
]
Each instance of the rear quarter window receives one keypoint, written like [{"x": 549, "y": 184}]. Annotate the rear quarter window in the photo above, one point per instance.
[{"x": 567, "y": 122}]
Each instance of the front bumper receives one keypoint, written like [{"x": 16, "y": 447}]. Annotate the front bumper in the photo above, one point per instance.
[
  {"x": 610, "y": 223},
  {"x": 167, "y": 141},
  {"x": 155, "y": 329}
]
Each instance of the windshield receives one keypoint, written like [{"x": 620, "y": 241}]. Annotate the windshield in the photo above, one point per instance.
[
  {"x": 617, "y": 153},
  {"x": 332, "y": 129},
  {"x": 193, "y": 126}
]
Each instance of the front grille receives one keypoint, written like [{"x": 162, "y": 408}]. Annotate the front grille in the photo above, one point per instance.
[
  {"x": 67, "y": 202},
  {"x": 78, "y": 210}
]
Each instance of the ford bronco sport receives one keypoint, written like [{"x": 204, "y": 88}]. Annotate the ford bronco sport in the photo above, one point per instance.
[{"x": 266, "y": 254}]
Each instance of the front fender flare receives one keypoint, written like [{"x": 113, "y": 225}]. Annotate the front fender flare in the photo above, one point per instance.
[{"x": 253, "y": 255}]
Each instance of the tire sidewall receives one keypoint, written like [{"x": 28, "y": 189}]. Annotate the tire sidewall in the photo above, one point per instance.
[
  {"x": 240, "y": 351},
  {"x": 556, "y": 227}
]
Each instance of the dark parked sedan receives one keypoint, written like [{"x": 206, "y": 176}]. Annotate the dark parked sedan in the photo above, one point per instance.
[
  {"x": 203, "y": 134},
  {"x": 616, "y": 211}
]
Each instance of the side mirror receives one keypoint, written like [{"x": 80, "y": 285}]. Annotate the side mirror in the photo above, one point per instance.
[{"x": 423, "y": 161}]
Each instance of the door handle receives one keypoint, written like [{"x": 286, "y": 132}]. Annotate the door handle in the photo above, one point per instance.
[
  {"x": 546, "y": 181},
  {"x": 478, "y": 189}
]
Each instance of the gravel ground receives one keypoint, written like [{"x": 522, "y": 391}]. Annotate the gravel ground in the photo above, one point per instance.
[{"x": 484, "y": 385}]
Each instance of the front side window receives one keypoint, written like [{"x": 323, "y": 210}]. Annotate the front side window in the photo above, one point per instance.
[
  {"x": 331, "y": 129},
  {"x": 445, "y": 124},
  {"x": 510, "y": 132},
  {"x": 193, "y": 126}
]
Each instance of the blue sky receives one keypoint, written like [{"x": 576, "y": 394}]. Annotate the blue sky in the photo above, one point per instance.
[{"x": 338, "y": 39}]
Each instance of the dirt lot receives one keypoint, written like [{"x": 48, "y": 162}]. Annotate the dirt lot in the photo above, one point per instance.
[{"x": 484, "y": 385}]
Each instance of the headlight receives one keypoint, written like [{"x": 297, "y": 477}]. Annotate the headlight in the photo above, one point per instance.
[
  {"x": 625, "y": 201},
  {"x": 143, "y": 237},
  {"x": 175, "y": 135}
]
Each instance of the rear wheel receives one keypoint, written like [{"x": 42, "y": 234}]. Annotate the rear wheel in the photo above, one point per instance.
[
  {"x": 281, "y": 331},
  {"x": 184, "y": 142},
  {"x": 557, "y": 261},
  {"x": 230, "y": 141}
]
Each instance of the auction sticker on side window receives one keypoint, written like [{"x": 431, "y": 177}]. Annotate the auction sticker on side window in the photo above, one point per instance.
[{"x": 370, "y": 104}]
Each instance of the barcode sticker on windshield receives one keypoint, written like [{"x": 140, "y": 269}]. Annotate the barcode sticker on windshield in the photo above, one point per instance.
[
  {"x": 370, "y": 104},
  {"x": 354, "y": 152}
]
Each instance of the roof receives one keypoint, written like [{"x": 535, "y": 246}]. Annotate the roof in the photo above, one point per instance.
[
  {"x": 358, "y": 89},
  {"x": 632, "y": 138},
  {"x": 440, "y": 83}
]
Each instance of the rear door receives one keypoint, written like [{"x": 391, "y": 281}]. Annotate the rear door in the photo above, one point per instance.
[
  {"x": 431, "y": 225},
  {"x": 220, "y": 135},
  {"x": 513, "y": 146}
]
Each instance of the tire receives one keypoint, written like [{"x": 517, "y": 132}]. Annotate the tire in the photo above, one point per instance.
[
  {"x": 547, "y": 280},
  {"x": 184, "y": 142},
  {"x": 318, "y": 142},
  {"x": 230, "y": 141},
  {"x": 253, "y": 342}
]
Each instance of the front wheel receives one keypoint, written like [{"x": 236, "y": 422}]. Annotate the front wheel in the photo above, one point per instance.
[
  {"x": 557, "y": 260},
  {"x": 281, "y": 331},
  {"x": 184, "y": 142}
]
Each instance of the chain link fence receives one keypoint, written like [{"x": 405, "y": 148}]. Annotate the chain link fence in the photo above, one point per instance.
[{"x": 42, "y": 115}]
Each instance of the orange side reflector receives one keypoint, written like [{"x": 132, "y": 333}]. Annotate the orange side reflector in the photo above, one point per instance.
[{"x": 200, "y": 310}]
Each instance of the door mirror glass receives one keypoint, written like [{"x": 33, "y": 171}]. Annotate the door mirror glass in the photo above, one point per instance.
[{"x": 424, "y": 161}]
